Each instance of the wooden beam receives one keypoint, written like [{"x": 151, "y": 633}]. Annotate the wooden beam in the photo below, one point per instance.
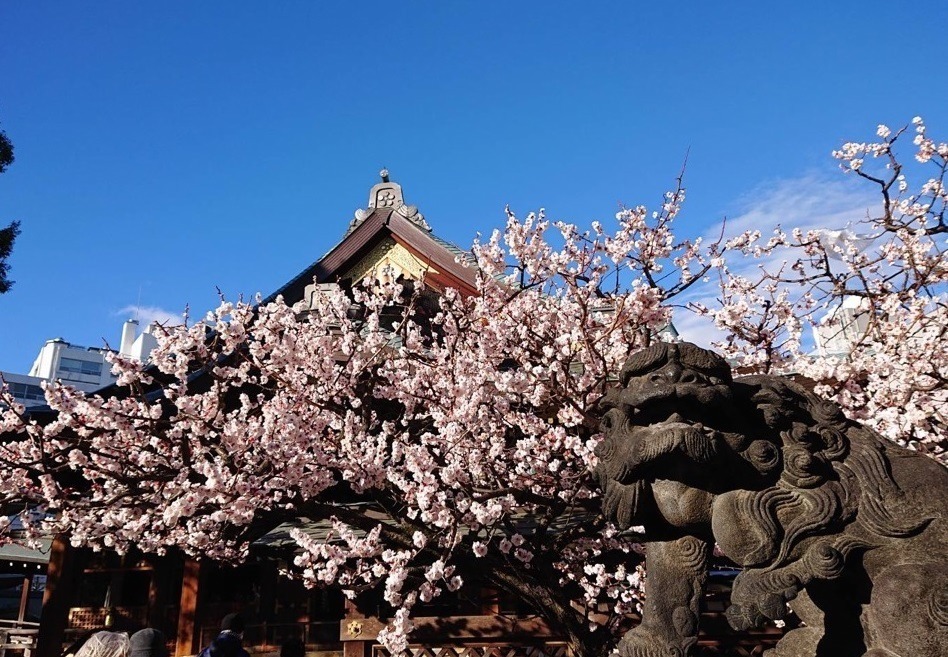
[
  {"x": 433, "y": 628},
  {"x": 189, "y": 632},
  {"x": 60, "y": 580}
]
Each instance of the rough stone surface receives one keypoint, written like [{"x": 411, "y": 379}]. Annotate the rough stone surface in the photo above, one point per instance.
[{"x": 821, "y": 512}]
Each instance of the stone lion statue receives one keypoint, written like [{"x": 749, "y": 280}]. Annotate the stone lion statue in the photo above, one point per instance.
[{"x": 820, "y": 512}]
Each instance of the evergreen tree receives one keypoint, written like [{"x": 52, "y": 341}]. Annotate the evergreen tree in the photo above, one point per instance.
[
  {"x": 8, "y": 234},
  {"x": 6, "y": 151}
]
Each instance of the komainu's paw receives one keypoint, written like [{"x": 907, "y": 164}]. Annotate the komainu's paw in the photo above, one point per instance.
[
  {"x": 753, "y": 613},
  {"x": 759, "y": 596},
  {"x": 743, "y": 617},
  {"x": 642, "y": 642}
]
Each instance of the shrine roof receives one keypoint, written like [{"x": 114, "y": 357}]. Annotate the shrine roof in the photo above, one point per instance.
[{"x": 387, "y": 216}]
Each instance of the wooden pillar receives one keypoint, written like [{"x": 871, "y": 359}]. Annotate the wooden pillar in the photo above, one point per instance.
[
  {"x": 352, "y": 646},
  {"x": 25, "y": 596},
  {"x": 156, "y": 594},
  {"x": 490, "y": 601},
  {"x": 269, "y": 579},
  {"x": 355, "y": 649},
  {"x": 60, "y": 580},
  {"x": 189, "y": 629}
]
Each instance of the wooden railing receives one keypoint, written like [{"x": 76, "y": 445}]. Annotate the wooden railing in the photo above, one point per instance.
[
  {"x": 18, "y": 636},
  {"x": 481, "y": 649}
]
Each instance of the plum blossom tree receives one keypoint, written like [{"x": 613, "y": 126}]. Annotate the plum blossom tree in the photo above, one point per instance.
[
  {"x": 437, "y": 442},
  {"x": 891, "y": 268},
  {"x": 457, "y": 436}
]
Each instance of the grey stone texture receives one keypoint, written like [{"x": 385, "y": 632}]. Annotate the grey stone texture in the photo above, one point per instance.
[{"x": 822, "y": 513}]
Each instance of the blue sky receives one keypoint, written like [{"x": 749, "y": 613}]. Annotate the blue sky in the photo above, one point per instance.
[{"x": 166, "y": 149}]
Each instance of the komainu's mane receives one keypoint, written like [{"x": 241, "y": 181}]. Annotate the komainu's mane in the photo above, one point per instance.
[{"x": 834, "y": 471}]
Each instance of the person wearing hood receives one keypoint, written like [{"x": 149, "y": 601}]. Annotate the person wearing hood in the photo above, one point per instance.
[
  {"x": 148, "y": 642},
  {"x": 105, "y": 644},
  {"x": 228, "y": 642}
]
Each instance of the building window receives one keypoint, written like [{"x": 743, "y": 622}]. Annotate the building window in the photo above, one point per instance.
[
  {"x": 27, "y": 391},
  {"x": 75, "y": 366}
]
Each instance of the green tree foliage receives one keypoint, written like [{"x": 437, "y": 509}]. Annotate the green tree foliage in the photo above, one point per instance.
[
  {"x": 8, "y": 234},
  {"x": 6, "y": 151}
]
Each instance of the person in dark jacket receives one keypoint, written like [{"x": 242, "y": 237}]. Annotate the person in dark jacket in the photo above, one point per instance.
[
  {"x": 148, "y": 642},
  {"x": 228, "y": 642}
]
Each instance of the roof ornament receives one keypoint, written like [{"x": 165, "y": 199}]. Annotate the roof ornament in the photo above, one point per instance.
[{"x": 388, "y": 194}]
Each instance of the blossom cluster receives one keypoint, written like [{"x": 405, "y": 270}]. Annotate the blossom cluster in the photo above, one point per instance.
[{"x": 877, "y": 291}]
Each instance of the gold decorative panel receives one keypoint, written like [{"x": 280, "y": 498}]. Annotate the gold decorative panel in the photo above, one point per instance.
[{"x": 388, "y": 252}]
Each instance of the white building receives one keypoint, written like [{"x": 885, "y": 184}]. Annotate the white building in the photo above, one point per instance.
[
  {"x": 81, "y": 367},
  {"x": 24, "y": 388},
  {"x": 843, "y": 327},
  {"x": 85, "y": 368},
  {"x": 137, "y": 347}
]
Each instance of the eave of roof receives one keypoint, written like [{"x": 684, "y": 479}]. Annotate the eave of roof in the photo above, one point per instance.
[
  {"x": 20, "y": 553},
  {"x": 378, "y": 224}
]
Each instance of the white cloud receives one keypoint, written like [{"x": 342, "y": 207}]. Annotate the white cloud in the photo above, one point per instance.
[
  {"x": 697, "y": 329},
  {"x": 151, "y": 315},
  {"x": 807, "y": 202}
]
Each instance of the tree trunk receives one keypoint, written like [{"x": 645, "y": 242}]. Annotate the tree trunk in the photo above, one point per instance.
[{"x": 541, "y": 591}]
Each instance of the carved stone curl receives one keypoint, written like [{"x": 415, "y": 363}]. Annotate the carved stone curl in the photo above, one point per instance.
[{"x": 822, "y": 513}]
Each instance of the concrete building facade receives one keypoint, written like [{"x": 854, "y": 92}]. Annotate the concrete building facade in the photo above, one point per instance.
[{"x": 84, "y": 368}]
